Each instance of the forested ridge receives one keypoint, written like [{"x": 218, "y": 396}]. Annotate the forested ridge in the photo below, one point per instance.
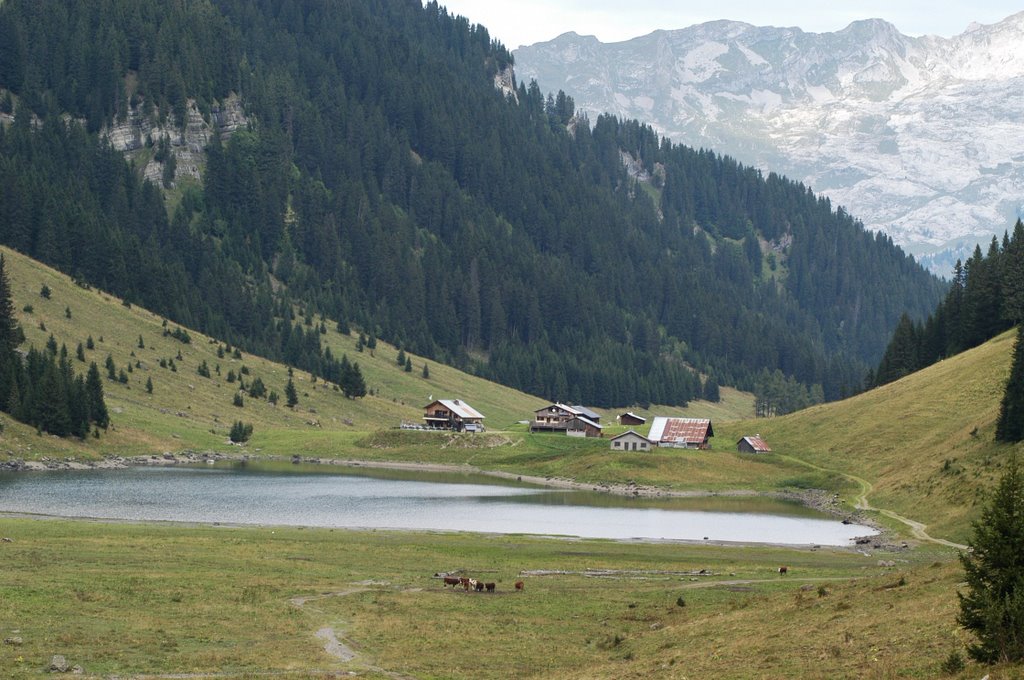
[
  {"x": 384, "y": 181},
  {"x": 986, "y": 297}
]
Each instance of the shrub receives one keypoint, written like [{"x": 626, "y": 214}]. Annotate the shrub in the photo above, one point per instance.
[
  {"x": 240, "y": 432},
  {"x": 953, "y": 664},
  {"x": 257, "y": 389}
]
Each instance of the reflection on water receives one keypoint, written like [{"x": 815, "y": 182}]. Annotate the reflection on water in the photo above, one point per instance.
[{"x": 406, "y": 499}]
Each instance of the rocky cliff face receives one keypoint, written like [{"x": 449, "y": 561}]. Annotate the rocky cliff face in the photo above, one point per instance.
[
  {"x": 505, "y": 82},
  {"x": 188, "y": 145},
  {"x": 919, "y": 137}
]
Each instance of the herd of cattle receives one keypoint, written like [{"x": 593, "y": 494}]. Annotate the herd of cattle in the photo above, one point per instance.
[{"x": 469, "y": 584}]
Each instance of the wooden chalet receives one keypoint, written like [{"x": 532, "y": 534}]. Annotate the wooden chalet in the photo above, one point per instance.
[
  {"x": 453, "y": 414},
  {"x": 576, "y": 421},
  {"x": 581, "y": 426},
  {"x": 753, "y": 445},
  {"x": 630, "y": 418},
  {"x": 631, "y": 441},
  {"x": 682, "y": 433}
]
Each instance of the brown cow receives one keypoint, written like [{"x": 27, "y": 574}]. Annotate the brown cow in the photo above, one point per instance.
[
  {"x": 783, "y": 570},
  {"x": 465, "y": 582},
  {"x": 479, "y": 586},
  {"x": 520, "y": 585},
  {"x": 452, "y": 581},
  {"x": 490, "y": 587}
]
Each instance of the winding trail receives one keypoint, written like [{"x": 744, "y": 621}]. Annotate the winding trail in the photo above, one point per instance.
[
  {"x": 917, "y": 529},
  {"x": 334, "y": 643}
]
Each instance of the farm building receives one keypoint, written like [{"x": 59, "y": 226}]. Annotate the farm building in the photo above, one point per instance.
[
  {"x": 631, "y": 441},
  {"x": 753, "y": 445},
  {"x": 582, "y": 427},
  {"x": 681, "y": 433},
  {"x": 630, "y": 418},
  {"x": 452, "y": 414},
  {"x": 557, "y": 418}
]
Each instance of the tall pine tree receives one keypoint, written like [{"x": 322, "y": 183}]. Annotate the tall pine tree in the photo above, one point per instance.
[
  {"x": 992, "y": 606},
  {"x": 1010, "y": 426},
  {"x": 10, "y": 338}
]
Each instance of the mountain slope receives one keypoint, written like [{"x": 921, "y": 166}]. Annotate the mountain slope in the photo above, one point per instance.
[
  {"x": 381, "y": 179},
  {"x": 189, "y": 411},
  {"x": 924, "y": 442},
  {"x": 919, "y": 137}
]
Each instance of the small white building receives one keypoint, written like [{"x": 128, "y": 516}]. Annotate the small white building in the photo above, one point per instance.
[{"x": 631, "y": 441}]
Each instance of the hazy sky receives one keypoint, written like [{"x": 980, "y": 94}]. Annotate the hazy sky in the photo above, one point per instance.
[{"x": 525, "y": 22}]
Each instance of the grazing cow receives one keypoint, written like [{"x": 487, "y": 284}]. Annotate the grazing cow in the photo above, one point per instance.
[
  {"x": 783, "y": 570},
  {"x": 479, "y": 586},
  {"x": 452, "y": 581},
  {"x": 520, "y": 585},
  {"x": 465, "y": 582},
  {"x": 490, "y": 587},
  {"x": 472, "y": 584}
]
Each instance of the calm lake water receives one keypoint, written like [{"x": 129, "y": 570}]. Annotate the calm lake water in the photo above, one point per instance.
[{"x": 383, "y": 499}]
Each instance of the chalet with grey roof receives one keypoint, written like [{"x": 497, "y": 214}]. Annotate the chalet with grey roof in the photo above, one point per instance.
[
  {"x": 576, "y": 421},
  {"x": 581, "y": 426},
  {"x": 453, "y": 414}
]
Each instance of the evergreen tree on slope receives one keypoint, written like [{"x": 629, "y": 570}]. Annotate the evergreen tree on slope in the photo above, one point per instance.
[
  {"x": 1010, "y": 426},
  {"x": 992, "y": 607}
]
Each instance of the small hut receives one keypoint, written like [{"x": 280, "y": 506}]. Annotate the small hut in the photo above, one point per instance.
[
  {"x": 753, "y": 445},
  {"x": 631, "y": 419}
]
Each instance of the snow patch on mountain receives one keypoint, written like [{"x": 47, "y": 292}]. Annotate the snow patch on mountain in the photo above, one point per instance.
[{"x": 922, "y": 138}]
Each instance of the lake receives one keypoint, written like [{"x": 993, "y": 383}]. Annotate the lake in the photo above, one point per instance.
[{"x": 383, "y": 499}]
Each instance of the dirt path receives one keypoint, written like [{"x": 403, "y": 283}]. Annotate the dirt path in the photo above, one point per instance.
[
  {"x": 917, "y": 529},
  {"x": 333, "y": 639},
  {"x": 332, "y": 644}
]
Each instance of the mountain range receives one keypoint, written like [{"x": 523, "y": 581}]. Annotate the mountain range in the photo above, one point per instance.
[
  {"x": 260, "y": 169},
  {"x": 919, "y": 137}
]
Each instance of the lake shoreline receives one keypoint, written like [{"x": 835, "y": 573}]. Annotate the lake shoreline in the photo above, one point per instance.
[{"x": 815, "y": 499}]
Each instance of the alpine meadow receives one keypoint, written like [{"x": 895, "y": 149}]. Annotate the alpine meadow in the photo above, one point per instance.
[{"x": 277, "y": 242}]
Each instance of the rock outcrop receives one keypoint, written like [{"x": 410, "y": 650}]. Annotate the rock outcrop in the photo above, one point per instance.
[{"x": 188, "y": 144}]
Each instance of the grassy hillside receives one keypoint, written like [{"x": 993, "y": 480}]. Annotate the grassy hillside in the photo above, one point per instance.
[
  {"x": 924, "y": 443},
  {"x": 188, "y": 411}
]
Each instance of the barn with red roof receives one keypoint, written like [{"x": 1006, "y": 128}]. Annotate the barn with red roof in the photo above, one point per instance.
[
  {"x": 753, "y": 444},
  {"x": 681, "y": 433}
]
